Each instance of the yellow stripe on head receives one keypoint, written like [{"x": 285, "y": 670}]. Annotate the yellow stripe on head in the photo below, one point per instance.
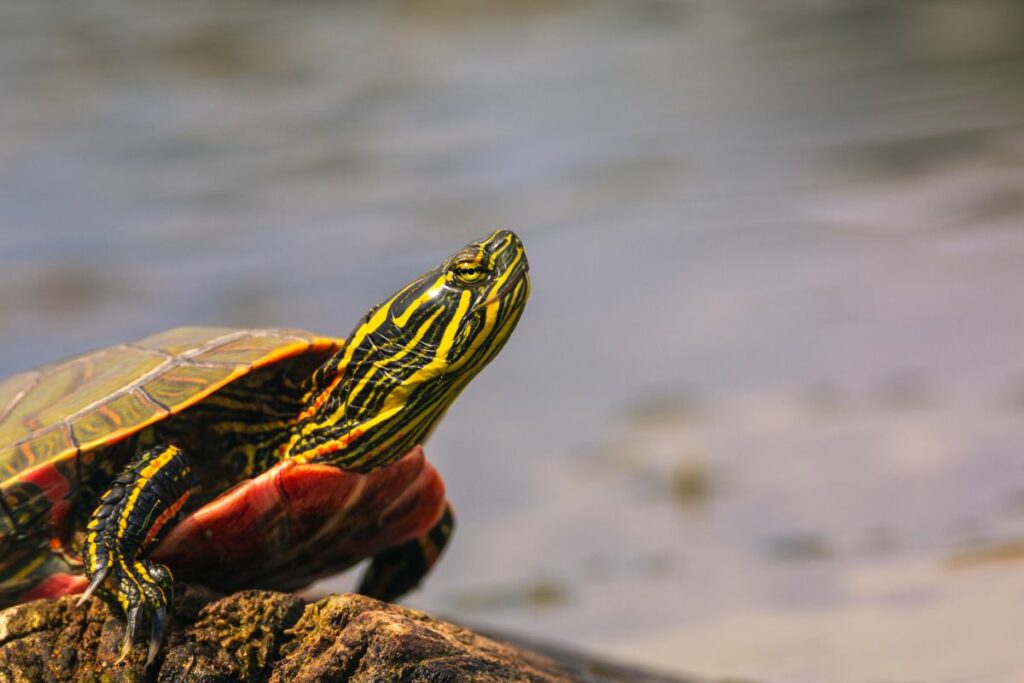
[{"x": 410, "y": 357}]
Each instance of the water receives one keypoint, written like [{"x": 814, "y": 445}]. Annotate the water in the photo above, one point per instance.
[{"x": 762, "y": 416}]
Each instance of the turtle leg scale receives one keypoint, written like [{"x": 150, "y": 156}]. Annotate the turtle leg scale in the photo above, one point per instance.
[
  {"x": 138, "y": 504},
  {"x": 396, "y": 571}
]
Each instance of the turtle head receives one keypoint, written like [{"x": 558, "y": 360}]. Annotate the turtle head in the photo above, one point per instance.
[
  {"x": 455, "y": 318},
  {"x": 411, "y": 355},
  {"x": 472, "y": 302}
]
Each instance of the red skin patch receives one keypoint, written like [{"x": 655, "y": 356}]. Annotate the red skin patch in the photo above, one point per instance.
[
  {"x": 54, "y": 485},
  {"x": 292, "y": 525},
  {"x": 54, "y": 586},
  {"x": 297, "y": 523}
]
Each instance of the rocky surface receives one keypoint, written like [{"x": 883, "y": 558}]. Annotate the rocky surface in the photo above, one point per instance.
[{"x": 268, "y": 636}]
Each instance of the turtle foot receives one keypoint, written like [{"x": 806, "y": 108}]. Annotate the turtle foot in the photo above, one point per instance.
[
  {"x": 144, "y": 591},
  {"x": 131, "y": 514}
]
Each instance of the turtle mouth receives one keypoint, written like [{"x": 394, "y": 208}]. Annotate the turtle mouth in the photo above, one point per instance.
[{"x": 519, "y": 274}]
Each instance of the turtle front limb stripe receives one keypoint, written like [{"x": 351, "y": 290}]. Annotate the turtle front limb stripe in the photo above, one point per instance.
[{"x": 139, "y": 503}]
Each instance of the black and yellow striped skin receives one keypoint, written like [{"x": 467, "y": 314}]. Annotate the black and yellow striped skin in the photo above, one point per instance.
[
  {"x": 130, "y": 516},
  {"x": 410, "y": 357},
  {"x": 192, "y": 425}
]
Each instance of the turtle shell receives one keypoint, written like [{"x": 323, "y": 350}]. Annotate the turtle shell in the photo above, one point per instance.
[{"x": 57, "y": 419}]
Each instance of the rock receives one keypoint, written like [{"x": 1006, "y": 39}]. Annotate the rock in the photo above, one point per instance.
[
  {"x": 274, "y": 637},
  {"x": 373, "y": 641}
]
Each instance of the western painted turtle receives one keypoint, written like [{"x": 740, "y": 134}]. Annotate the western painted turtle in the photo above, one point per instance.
[{"x": 247, "y": 458}]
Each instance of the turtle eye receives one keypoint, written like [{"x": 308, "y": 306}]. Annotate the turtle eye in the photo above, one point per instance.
[{"x": 468, "y": 272}]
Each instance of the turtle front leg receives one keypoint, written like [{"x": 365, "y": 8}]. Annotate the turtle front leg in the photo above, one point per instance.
[
  {"x": 396, "y": 571},
  {"x": 138, "y": 504}
]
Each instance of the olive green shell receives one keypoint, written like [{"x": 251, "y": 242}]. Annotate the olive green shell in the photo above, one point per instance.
[{"x": 58, "y": 412}]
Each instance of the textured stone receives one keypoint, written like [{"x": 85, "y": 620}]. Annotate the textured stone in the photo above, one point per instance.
[{"x": 268, "y": 636}]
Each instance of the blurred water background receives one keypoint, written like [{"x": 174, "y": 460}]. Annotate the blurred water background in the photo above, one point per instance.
[{"x": 764, "y": 413}]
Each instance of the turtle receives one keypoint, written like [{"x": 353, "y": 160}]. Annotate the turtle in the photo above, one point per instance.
[{"x": 248, "y": 458}]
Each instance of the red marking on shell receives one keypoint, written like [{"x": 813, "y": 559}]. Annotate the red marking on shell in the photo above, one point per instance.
[
  {"x": 111, "y": 415},
  {"x": 55, "y": 585},
  {"x": 299, "y": 522}
]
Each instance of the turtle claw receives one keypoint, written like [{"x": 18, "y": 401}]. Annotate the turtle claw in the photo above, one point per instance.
[
  {"x": 97, "y": 580},
  {"x": 156, "y": 637},
  {"x": 134, "y": 619},
  {"x": 151, "y": 602}
]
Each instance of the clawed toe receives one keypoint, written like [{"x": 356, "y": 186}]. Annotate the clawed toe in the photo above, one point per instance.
[
  {"x": 156, "y": 637},
  {"x": 96, "y": 581},
  {"x": 132, "y": 625},
  {"x": 137, "y": 614},
  {"x": 143, "y": 592}
]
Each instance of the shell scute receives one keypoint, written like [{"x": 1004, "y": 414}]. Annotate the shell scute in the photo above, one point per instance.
[
  {"x": 113, "y": 420},
  {"x": 72, "y": 387},
  {"x": 46, "y": 445},
  {"x": 180, "y": 340},
  {"x": 13, "y": 388},
  {"x": 242, "y": 351},
  {"x": 74, "y": 406},
  {"x": 183, "y": 384}
]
